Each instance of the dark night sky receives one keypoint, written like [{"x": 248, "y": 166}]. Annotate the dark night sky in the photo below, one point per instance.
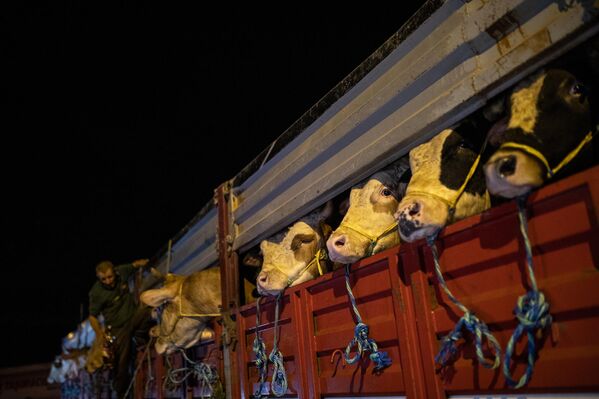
[{"x": 111, "y": 115}]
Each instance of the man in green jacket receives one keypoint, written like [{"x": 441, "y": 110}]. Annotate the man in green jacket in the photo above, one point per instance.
[{"x": 111, "y": 297}]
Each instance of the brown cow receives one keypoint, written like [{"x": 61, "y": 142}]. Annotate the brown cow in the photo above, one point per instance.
[{"x": 189, "y": 302}]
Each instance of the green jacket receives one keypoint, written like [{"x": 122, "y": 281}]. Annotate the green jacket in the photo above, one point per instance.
[{"x": 116, "y": 305}]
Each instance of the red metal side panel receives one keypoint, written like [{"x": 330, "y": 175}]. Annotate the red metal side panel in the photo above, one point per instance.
[
  {"x": 483, "y": 262},
  {"x": 289, "y": 342},
  {"x": 148, "y": 380},
  {"x": 208, "y": 352},
  {"x": 385, "y": 304}
]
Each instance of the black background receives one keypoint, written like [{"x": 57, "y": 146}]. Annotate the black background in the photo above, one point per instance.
[{"x": 113, "y": 115}]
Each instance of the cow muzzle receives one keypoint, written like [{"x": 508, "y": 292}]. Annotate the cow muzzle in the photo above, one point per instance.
[
  {"x": 419, "y": 217},
  {"x": 511, "y": 173}
]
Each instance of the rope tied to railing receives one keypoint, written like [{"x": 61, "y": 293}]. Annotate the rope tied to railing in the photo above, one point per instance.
[
  {"x": 532, "y": 310},
  {"x": 477, "y": 327},
  {"x": 278, "y": 385},
  {"x": 205, "y": 374},
  {"x": 259, "y": 349},
  {"x": 360, "y": 339}
]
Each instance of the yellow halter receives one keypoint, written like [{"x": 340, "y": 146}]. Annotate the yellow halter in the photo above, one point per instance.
[
  {"x": 320, "y": 255},
  {"x": 540, "y": 157},
  {"x": 181, "y": 314},
  {"x": 450, "y": 203},
  {"x": 373, "y": 239}
]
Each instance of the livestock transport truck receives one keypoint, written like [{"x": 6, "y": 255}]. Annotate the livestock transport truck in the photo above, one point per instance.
[{"x": 451, "y": 59}]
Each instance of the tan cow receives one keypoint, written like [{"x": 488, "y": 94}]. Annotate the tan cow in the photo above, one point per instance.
[
  {"x": 369, "y": 226},
  {"x": 186, "y": 304},
  {"x": 295, "y": 255}
]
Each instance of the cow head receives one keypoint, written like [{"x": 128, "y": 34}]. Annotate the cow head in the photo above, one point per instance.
[
  {"x": 290, "y": 258},
  {"x": 549, "y": 116},
  {"x": 82, "y": 337},
  {"x": 434, "y": 196},
  {"x": 369, "y": 226},
  {"x": 186, "y": 304}
]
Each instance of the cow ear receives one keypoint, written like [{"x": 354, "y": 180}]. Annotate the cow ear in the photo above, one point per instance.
[
  {"x": 158, "y": 296},
  {"x": 496, "y": 135},
  {"x": 326, "y": 211}
]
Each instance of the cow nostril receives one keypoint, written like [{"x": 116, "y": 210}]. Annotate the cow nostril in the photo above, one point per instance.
[
  {"x": 506, "y": 166},
  {"x": 414, "y": 209},
  {"x": 340, "y": 241}
]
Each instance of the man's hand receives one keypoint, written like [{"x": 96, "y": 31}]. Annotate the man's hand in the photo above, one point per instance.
[{"x": 140, "y": 263}]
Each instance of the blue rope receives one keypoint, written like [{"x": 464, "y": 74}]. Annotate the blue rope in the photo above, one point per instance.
[
  {"x": 260, "y": 351},
  {"x": 360, "y": 339},
  {"x": 469, "y": 321},
  {"x": 531, "y": 310},
  {"x": 278, "y": 385}
]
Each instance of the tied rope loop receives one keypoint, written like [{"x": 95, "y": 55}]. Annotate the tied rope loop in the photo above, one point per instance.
[
  {"x": 204, "y": 373},
  {"x": 360, "y": 339},
  {"x": 278, "y": 385},
  {"x": 477, "y": 327},
  {"x": 532, "y": 310},
  {"x": 259, "y": 349}
]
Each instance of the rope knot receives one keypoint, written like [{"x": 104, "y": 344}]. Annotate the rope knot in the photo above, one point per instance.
[
  {"x": 478, "y": 329},
  {"x": 260, "y": 350},
  {"x": 279, "y": 377},
  {"x": 533, "y": 311},
  {"x": 381, "y": 359}
]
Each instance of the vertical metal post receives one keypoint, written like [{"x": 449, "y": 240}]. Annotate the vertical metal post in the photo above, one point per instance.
[{"x": 230, "y": 289}]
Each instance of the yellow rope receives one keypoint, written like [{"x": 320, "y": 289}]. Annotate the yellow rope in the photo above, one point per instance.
[
  {"x": 373, "y": 239},
  {"x": 181, "y": 314},
  {"x": 320, "y": 255},
  {"x": 540, "y": 157}
]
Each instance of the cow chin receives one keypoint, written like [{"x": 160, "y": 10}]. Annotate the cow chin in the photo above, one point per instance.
[
  {"x": 510, "y": 174},
  {"x": 160, "y": 346},
  {"x": 270, "y": 289}
]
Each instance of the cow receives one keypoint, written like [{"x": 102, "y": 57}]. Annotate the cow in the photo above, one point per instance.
[
  {"x": 549, "y": 119},
  {"x": 66, "y": 367},
  {"x": 368, "y": 226},
  {"x": 438, "y": 192},
  {"x": 76, "y": 347},
  {"x": 186, "y": 304},
  {"x": 295, "y": 255}
]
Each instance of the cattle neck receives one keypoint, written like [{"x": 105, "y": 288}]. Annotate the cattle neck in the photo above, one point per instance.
[
  {"x": 451, "y": 203},
  {"x": 543, "y": 160},
  {"x": 320, "y": 255},
  {"x": 181, "y": 315},
  {"x": 373, "y": 239}
]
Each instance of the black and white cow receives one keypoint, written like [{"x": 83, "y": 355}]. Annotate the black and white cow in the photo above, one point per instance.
[
  {"x": 435, "y": 195},
  {"x": 549, "y": 118}
]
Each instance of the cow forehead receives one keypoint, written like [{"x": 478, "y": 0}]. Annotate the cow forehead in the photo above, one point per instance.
[
  {"x": 427, "y": 156},
  {"x": 360, "y": 196},
  {"x": 523, "y": 103}
]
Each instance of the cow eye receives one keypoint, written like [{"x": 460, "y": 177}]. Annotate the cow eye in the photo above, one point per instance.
[
  {"x": 386, "y": 192},
  {"x": 577, "y": 90}
]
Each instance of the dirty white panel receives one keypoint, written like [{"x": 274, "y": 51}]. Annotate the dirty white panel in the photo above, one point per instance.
[{"x": 462, "y": 55}]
